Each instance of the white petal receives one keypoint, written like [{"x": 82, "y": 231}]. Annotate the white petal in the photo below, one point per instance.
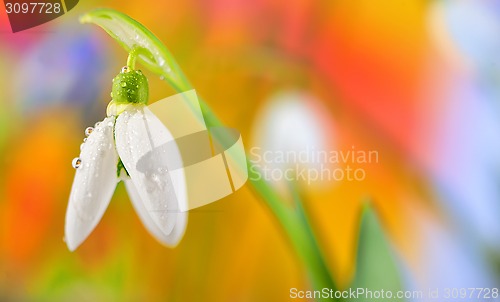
[
  {"x": 94, "y": 184},
  {"x": 148, "y": 152},
  {"x": 180, "y": 219}
]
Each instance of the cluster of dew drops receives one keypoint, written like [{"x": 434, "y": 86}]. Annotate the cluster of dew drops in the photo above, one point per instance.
[
  {"x": 77, "y": 161},
  {"x": 124, "y": 84}
]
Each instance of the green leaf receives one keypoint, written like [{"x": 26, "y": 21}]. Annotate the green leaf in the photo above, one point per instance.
[
  {"x": 132, "y": 35},
  {"x": 376, "y": 268}
]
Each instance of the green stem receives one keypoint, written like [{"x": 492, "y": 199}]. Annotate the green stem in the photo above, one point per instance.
[
  {"x": 132, "y": 56},
  {"x": 297, "y": 228}
]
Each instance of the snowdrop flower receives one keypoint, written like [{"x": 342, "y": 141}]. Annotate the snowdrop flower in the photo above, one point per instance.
[{"x": 125, "y": 146}]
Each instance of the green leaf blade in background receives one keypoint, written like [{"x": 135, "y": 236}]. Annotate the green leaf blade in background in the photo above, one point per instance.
[{"x": 376, "y": 266}]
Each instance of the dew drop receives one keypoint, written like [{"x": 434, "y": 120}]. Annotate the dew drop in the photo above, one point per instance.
[
  {"x": 111, "y": 94},
  {"x": 162, "y": 78},
  {"x": 124, "y": 84},
  {"x": 124, "y": 69},
  {"x": 85, "y": 140},
  {"x": 88, "y": 131},
  {"x": 161, "y": 61},
  {"x": 97, "y": 124},
  {"x": 76, "y": 163},
  {"x": 81, "y": 146}
]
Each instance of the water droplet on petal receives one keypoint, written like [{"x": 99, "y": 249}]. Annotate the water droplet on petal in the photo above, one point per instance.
[
  {"x": 88, "y": 131},
  {"x": 124, "y": 69},
  {"x": 162, "y": 78},
  {"x": 85, "y": 140},
  {"x": 76, "y": 163},
  {"x": 81, "y": 146}
]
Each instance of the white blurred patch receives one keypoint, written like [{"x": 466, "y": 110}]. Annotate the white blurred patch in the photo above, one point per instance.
[
  {"x": 466, "y": 31},
  {"x": 292, "y": 132}
]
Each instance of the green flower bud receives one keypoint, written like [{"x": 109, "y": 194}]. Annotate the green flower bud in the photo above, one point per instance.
[{"x": 130, "y": 86}]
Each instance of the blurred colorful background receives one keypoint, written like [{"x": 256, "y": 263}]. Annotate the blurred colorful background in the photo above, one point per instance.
[{"x": 417, "y": 81}]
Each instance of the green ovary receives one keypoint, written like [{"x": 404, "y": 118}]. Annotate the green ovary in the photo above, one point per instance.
[{"x": 130, "y": 87}]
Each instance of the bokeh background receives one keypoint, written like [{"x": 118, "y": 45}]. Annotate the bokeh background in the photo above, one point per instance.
[{"x": 418, "y": 81}]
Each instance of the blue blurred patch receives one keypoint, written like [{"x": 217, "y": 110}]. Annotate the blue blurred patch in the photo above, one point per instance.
[
  {"x": 475, "y": 28},
  {"x": 66, "y": 68}
]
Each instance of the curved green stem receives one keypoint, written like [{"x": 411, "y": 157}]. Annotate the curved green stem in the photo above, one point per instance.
[{"x": 132, "y": 56}]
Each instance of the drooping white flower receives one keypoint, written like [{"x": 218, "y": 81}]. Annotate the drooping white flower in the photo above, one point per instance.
[{"x": 127, "y": 146}]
